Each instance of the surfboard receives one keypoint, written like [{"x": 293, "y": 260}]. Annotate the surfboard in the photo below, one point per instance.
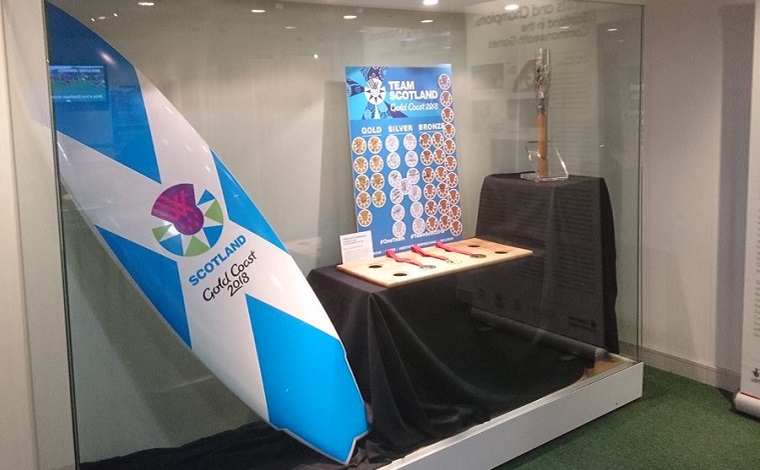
[{"x": 184, "y": 230}]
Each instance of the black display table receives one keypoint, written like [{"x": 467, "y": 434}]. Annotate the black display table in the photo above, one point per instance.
[
  {"x": 569, "y": 286},
  {"x": 426, "y": 370}
]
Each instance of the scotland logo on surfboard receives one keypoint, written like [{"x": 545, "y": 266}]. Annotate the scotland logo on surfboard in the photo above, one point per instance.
[
  {"x": 190, "y": 227},
  {"x": 195, "y": 244}
]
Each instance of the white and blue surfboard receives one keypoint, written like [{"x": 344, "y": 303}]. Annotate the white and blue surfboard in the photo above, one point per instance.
[{"x": 195, "y": 244}]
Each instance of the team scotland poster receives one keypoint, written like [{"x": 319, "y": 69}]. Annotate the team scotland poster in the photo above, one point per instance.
[{"x": 404, "y": 155}]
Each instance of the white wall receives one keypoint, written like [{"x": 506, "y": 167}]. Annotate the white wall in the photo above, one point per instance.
[
  {"x": 31, "y": 283},
  {"x": 697, "y": 71},
  {"x": 17, "y": 447}
]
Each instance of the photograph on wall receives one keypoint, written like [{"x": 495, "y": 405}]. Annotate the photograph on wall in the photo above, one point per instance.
[{"x": 404, "y": 155}]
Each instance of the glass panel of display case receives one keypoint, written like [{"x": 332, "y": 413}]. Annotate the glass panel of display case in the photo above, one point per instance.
[{"x": 269, "y": 85}]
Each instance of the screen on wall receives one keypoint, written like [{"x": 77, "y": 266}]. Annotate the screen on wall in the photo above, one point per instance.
[{"x": 78, "y": 84}]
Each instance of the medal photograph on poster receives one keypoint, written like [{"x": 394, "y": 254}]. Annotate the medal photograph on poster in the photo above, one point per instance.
[{"x": 404, "y": 155}]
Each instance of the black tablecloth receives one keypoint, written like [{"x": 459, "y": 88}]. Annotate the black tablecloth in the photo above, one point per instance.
[
  {"x": 425, "y": 370},
  {"x": 569, "y": 286}
]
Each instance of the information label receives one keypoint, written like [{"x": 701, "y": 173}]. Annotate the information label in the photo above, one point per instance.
[
  {"x": 404, "y": 155},
  {"x": 356, "y": 246}
]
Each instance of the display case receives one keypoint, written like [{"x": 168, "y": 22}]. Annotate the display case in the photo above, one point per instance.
[{"x": 466, "y": 369}]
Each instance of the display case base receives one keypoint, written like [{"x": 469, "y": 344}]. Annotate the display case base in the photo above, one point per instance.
[{"x": 607, "y": 387}]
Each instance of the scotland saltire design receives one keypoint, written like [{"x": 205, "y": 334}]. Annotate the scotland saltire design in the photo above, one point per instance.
[
  {"x": 195, "y": 244},
  {"x": 290, "y": 375}
]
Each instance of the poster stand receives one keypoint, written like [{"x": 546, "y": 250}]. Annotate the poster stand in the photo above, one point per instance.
[{"x": 747, "y": 398}]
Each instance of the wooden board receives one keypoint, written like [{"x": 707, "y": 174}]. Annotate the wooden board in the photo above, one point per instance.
[{"x": 388, "y": 272}]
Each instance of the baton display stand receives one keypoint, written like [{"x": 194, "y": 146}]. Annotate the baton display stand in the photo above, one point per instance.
[
  {"x": 569, "y": 285},
  {"x": 552, "y": 163}
]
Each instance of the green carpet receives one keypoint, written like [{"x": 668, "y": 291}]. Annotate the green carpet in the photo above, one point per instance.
[{"x": 677, "y": 424}]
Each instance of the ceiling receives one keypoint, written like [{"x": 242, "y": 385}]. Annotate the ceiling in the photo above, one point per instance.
[{"x": 443, "y": 5}]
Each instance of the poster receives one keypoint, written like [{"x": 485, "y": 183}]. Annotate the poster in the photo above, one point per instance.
[{"x": 404, "y": 155}]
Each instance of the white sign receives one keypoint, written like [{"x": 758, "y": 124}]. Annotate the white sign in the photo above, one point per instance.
[{"x": 356, "y": 246}]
